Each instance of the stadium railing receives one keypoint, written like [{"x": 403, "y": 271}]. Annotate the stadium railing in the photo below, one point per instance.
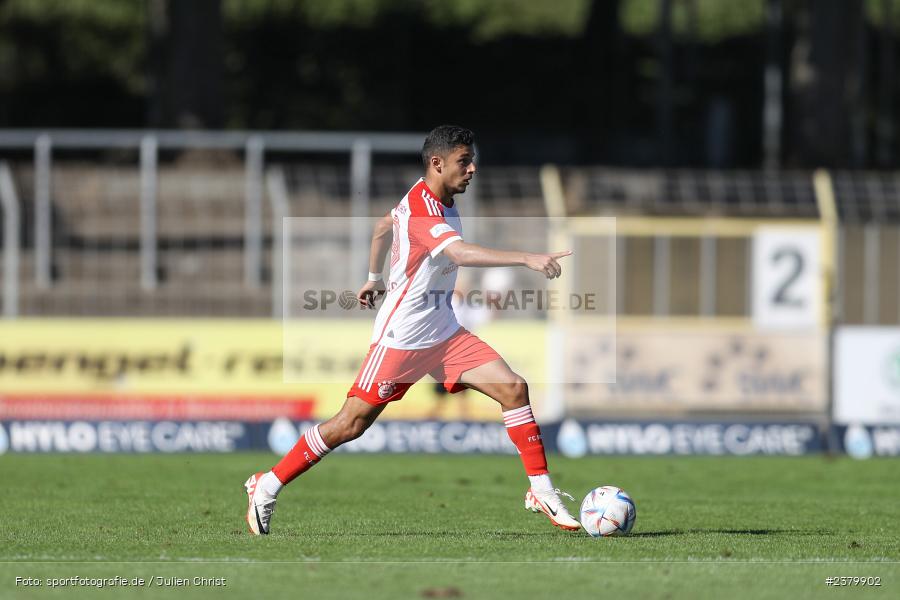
[
  {"x": 192, "y": 235},
  {"x": 685, "y": 237},
  {"x": 188, "y": 224},
  {"x": 9, "y": 211},
  {"x": 868, "y": 206},
  {"x": 155, "y": 214}
]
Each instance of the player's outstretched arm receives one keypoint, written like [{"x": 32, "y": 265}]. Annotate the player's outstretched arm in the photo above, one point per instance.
[
  {"x": 473, "y": 255},
  {"x": 381, "y": 242}
]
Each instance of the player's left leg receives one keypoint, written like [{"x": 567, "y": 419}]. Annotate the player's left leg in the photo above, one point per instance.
[
  {"x": 497, "y": 380},
  {"x": 469, "y": 362}
]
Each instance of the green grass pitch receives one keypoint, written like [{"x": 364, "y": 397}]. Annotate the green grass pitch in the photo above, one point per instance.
[{"x": 448, "y": 526}]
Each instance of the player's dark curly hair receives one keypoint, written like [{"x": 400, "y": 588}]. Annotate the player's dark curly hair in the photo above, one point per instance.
[{"x": 442, "y": 140}]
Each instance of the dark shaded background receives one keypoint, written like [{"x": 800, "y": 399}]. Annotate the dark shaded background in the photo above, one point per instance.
[{"x": 666, "y": 96}]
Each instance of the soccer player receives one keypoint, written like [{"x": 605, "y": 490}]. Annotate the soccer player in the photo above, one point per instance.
[{"x": 416, "y": 332}]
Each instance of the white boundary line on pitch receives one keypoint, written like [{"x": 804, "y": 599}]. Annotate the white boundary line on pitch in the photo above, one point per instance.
[{"x": 187, "y": 561}]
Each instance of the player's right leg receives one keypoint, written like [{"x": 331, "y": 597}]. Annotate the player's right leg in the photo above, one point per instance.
[
  {"x": 385, "y": 376},
  {"x": 262, "y": 488}
]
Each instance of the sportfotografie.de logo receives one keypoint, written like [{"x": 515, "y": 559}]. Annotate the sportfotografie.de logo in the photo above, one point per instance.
[{"x": 528, "y": 300}]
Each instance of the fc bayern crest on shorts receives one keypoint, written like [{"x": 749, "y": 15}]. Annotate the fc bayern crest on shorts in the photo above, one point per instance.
[{"x": 385, "y": 389}]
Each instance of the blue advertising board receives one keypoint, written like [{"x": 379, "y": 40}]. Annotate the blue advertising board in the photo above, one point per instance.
[
  {"x": 32, "y": 436},
  {"x": 580, "y": 438},
  {"x": 865, "y": 441},
  {"x": 571, "y": 438}
]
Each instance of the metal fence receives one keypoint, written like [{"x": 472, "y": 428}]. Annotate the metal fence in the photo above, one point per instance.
[
  {"x": 178, "y": 227},
  {"x": 868, "y": 204},
  {"x": 666, "y": 270},
  {"x": 171, "y": 223}
]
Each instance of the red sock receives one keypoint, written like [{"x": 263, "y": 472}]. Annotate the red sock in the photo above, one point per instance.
[
  {"x": 526, "y": 435},
  {"x": 308, "y": 450}
]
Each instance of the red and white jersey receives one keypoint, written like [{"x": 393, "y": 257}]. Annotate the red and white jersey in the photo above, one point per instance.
[{"x": 417, "y": 311}]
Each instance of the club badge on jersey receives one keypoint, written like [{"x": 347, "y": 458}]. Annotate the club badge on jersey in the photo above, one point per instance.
[{"x": 385, "y": 389}]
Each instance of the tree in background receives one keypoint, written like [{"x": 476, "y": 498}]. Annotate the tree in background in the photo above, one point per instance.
[
  {"x": 186, "y": 64},
  {"x": 827, "y": 85},
  {"x": 630, "y": 82}
]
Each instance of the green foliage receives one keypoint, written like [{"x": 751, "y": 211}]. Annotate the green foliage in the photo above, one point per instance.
[
  {"x": 486, "y": 20},
  {"x": 490, "y": 20},
  {"x": 109, "y": 13},
  {"x": 316, "y": 13},
  {"x": 45, "y": 40},
  {"x": 715, "y": 19},
  {"x": 880, "y": 11}
]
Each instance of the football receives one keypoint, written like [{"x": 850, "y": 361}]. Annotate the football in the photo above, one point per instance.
[{"x": 607, "y": 511}]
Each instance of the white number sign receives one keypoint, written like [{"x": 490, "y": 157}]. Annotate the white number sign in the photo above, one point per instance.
[{"x": 787, "y": 286}]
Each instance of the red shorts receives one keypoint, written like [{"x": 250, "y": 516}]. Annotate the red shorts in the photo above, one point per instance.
[{"x": 387, "y": 373}]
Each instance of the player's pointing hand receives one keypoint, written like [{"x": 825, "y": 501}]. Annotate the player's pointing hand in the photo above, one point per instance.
[
  {"x": 370, "y": 292},
  {"x": 546, "y": 263}
]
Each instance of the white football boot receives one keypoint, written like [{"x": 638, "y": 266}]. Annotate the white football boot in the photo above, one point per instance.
[
  {"x": 261, "y": 506},
  {"x": 551, "y": 504}
]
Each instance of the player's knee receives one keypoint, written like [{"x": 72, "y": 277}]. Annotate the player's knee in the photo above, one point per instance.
[
  {"x": 351, "y": 428},
  {"x": 516, "y": 394},
  {"x": 520, "y": 391},
  {"x": 356, "y": 428},
  {"x": 343, "y": 429}
]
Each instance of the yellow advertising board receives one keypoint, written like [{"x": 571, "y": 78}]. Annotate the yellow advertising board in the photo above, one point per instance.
[
  {"x": 665, "y": 370},
  {"x": 230, "y": 361}
]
